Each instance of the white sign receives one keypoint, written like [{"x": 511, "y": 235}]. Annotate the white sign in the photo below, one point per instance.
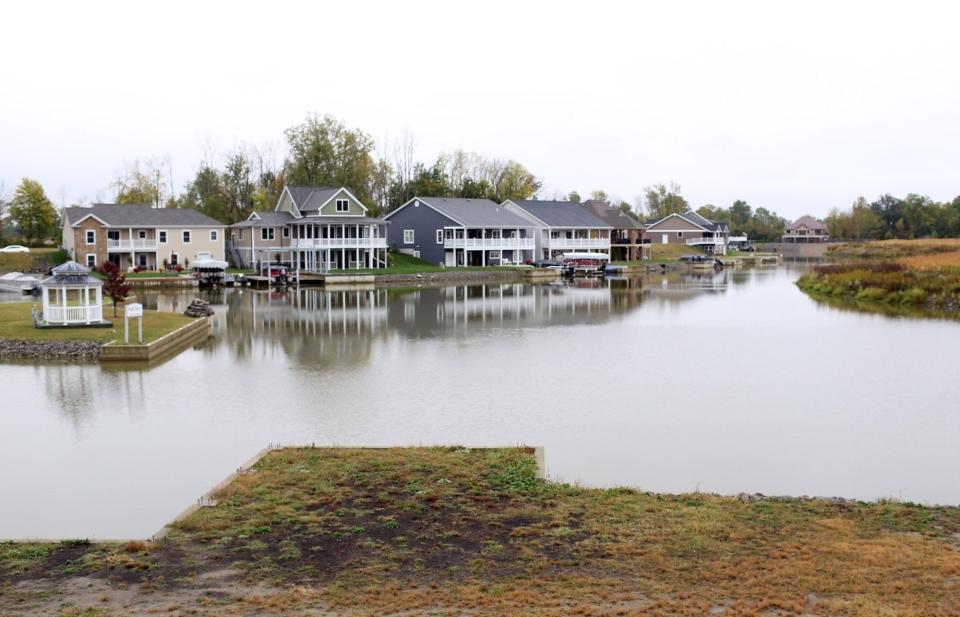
[{"x": 134, "y": 310}]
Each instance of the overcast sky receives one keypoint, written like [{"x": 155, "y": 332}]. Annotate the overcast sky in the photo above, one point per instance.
[{"x": 794, "y": 107}]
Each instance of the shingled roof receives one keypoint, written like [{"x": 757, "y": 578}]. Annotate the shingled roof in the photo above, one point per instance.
[
  {"x": 312, "y": 197},
  {"x": 806, "y": 221},
  {"x": 470, "y": 212},
  {"x": 142, "y": 215},
  {"x": 560, "y": 213},
  {"x": 611, "y": 215}
]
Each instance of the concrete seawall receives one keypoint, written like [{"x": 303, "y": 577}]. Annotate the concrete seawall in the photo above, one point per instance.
[{"x": 162, "y": 347}]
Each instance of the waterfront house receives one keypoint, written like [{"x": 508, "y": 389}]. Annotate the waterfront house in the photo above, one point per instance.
[
  {"x": 562, "y": 227},
  {"x": 805, "y": 229},
  {"x": 626, "y": 238},
  {"x": 691, "y": 229},
  {"x": 132, "y": 235},
  {"x": 315, "y": 229},
  {"x": 461, "y": 232}
]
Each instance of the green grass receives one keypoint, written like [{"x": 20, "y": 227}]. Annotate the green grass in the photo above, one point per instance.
[
  {"x": 401, "y": 263},
  {"x": 456, "y": 530},
  {"x": 16, "y": 323}
]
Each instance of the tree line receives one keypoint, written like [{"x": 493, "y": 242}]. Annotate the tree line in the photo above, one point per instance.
[{"x": 889, "y": 217}]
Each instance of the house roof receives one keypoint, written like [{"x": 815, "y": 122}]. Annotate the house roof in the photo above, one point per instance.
[
  {"x": 806, "y": 221},
  {"x": 470, "y": 212},
  {"x": 611, "y": 215},
  {"x": 694, "y": 219},
  {"x": 561, "y": 213},
  {"x": 267, "y": 218},
  {"x": 312, "y": 197},
  {"x": 141, "y": 215}
]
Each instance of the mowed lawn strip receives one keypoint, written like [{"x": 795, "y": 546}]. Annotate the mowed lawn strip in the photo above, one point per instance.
[
  {"x": 16, "y": 323},
  {"x": 454, "y": 529}
]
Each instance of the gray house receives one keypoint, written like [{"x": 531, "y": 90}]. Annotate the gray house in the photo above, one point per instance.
[
  {"x": 562, "y": 227},
  {"x": 460, "y": 232}
]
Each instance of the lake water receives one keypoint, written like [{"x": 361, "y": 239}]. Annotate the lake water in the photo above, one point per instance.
[{"x": 722, "y": 383}]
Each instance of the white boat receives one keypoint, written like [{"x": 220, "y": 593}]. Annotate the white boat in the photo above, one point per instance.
[
  {"x": 17, "y": 282},
  {"x": 585, "y": 264},
  {"x": 205, "y": 261}
]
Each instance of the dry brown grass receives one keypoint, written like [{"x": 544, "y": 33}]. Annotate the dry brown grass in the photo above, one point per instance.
[
  {"x": 932, "y": 261},
  {"x": 454, "y": 531}
]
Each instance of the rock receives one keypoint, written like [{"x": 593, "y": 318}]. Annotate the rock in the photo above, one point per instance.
[
  {"x": 49, "y": 350},
  {"x": 198, "y": 308}
]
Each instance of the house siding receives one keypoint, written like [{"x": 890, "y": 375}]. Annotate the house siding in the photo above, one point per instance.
[
  {"x": 424, "y": 221},
  {"x": 670, "y": 227},
  {"x": 356, "y": 209}
]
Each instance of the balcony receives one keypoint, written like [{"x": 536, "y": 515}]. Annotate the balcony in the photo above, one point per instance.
[
  {"x": 578, "y": 243},
  {"x": 489, "y": 243},
  {"x": 144, "y": 244},
  {"x": 714, "y": 240},
  {"x": 378, "y": 242}
]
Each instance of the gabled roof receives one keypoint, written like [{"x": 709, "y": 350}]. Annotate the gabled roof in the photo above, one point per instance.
[
  {"x": 469, "y": 212},
  {"x": 560, "y": 213},
  {"x": 806, "y": 221},
  {"x": 267, "y": 218},
  {"x": 694, "y": 219},
  {"x": 611, "y": 215},
  {"x": 307, "y": 198},
  {"x": 141, "y": 215}
]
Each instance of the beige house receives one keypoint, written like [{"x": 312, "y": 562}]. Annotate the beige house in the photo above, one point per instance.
[
  {"x": 805, "y": 229},
  {"x": 140, "y": 235},
  {"x": 691, "y": 229}
]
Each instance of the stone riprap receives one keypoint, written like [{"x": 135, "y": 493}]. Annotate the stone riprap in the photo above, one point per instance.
[{"x": 49, "y": 350}]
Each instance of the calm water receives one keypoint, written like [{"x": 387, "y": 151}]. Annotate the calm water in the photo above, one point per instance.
[{"x": 722, "y": 383}]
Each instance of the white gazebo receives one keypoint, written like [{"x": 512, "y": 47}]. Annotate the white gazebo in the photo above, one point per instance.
[{"x": 71, "y": 297}]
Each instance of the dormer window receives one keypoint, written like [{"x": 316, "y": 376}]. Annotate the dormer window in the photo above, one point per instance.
[{"x": 343, "y": 205}]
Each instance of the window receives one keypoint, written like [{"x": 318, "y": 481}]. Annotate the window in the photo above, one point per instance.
[
  {"x": 286, "y": 232},
  {"x": 439, "y": 236},
  {"x": 91, "y": 237},
  {"x": 416, "y": 254},
  {"x": 142, "y": 234},
  {"x": 174, "y": 259},
  {"x": 213, "y": 235},
  {"x": 266, "y": 233},
  {"x": 142, "y": 260},
  {"x": 91, "y": 260},
  {"x": 679, "y": 234},
  {"x": 408, "y": 236},
  {"x": 186, "y": 236},
  {"x": 449, "y": 234},
  {"x": 240, "y": 234},
  {"x": 343, "y": 205},
  {"x": 162, "y": 236},
  {"x": 113, "y": 235}
]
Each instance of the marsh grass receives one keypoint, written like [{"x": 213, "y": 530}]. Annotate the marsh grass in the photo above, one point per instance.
[{"x": 454, "y": 530}]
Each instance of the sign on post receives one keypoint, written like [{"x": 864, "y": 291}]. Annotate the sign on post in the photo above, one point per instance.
[{"x": 134, "y": 309}]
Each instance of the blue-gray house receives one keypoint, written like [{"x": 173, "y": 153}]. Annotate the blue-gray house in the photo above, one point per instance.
[{"x": 460, "y": 232}]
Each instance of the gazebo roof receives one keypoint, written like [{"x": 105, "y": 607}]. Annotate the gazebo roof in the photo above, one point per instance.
[{"x": 69, "y": 274}]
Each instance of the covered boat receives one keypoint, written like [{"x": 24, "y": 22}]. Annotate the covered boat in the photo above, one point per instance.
[
  {"x": 586, "y": 264},
  {"x": 18, "y": 282},
  {"x": 207, "y": 270}
]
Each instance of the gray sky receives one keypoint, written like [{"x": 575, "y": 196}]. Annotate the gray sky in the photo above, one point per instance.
[{"x": 797, "y": 107}]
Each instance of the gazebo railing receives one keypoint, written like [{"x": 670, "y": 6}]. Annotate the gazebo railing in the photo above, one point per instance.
[{"x": 73, "y": 314}]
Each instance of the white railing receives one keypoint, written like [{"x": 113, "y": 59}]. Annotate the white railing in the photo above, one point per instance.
[
  {"x": 707, "y": 240},
  {"x": 73, "y": 314},
  {"x": 146, "y": 244},
  {"x": 742, "y": 238},
  {"x": 492, "y": 243},
  {"x": 577, "y": 242},
  {"x": 339, "y": 243}
]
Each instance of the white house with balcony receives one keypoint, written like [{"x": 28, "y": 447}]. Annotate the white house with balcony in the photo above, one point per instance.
[
  {"x": 461, "y": 232},
  {"x": 562, "y": 227},
  {"x": 314, "y": 229},
  {"x": 691, "y": 229}
]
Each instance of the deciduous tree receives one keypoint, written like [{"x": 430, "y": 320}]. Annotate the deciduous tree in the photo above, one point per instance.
[
  {"x": 33, "y": 212},
  {"x": 663, "y": 200},
  {"x": 115, "y": 287}
]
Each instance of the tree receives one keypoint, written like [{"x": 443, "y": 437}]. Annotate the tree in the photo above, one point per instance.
[
  {"x": 599, "y": 196},
  {"x": 143, "y": 183},
  {"x": 324, "y": 152},
  {"x": 662, "y": 200},
  {"x": 3, "y": 207},
  {"x": 32, "y": 212},
  {"x": 574, "y": 197},
  {"x": 115, "y": 287}
]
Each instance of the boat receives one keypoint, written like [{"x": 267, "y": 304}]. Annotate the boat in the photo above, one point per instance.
[
  {"x": 18, "y": 282},
  {"x": 207, "y": 270},
  {"x": 586, "y": 264}
]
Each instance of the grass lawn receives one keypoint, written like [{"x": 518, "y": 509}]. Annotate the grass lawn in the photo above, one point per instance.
[
  {"x": 457, "y": 531},
  {"x": 401, "y": 263},
  {"x": 16, "y": 323}
]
